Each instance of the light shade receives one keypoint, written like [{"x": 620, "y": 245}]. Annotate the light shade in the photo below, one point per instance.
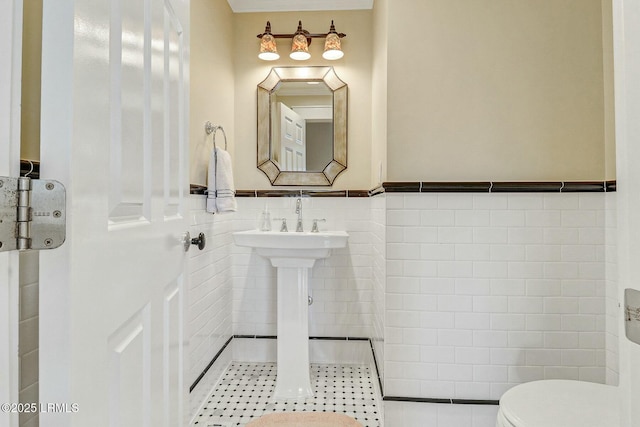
[
  {"x": 300, "y": 45},
  {"x": 332, "y": 49},
  {"x": 268, "y": 49}
]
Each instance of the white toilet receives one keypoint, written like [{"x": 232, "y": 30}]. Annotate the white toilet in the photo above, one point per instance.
[{"x": 559, "y": 403}]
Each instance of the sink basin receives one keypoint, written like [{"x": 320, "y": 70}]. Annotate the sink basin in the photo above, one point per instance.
[
  {"x": 292, "y": 245},
  {"x": 293, "y": 254}
]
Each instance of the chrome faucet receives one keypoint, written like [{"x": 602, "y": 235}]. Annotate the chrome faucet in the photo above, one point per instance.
[{"x": 299, "y": 213}]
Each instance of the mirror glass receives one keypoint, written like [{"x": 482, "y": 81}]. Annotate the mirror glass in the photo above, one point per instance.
[{"x": 302, "y": 126}]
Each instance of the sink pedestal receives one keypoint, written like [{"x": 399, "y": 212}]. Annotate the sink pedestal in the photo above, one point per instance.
[
  {"x": 293, "y": 254},
  {"x": 293, "y": 380}
]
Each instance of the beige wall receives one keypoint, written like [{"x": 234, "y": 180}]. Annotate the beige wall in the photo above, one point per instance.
[
  {"x": 438, "y": 89},
  {"x": 609, "y": 107},
  {"x": 495, "y": 90},
  {"x": 354, "y": 68},
  {"x": 379, "y": 93},
  {"x": 31, "y": 65},
  {"x": 212, "y": 81}
]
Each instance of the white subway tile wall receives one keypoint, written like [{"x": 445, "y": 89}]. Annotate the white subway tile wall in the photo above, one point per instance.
[
  {"x": 409, "y": 414},
  {"x": 29, "y": 334},
  {"x": 475, "y": 293},
  {"x": 209, "y": 299},
  {"x": 378, "y": 246},
  {"x": 612, "y": 300},
  {"x": 341, "y": 285},
  {"x": 485, "y": 291}
]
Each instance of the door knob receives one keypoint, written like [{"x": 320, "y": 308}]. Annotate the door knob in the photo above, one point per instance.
[
  {"x": 201, "y": 241},
  {"x": 187, "y": 241}
]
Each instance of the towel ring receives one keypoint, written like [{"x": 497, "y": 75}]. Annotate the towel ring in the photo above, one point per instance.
[{"x": 212, "y": 129}]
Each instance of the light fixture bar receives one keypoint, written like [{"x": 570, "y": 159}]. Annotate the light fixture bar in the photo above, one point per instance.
[{"x": 306, "y": 33}]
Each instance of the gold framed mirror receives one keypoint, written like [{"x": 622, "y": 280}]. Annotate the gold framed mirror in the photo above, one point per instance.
[{"x": 302, "y": 126}]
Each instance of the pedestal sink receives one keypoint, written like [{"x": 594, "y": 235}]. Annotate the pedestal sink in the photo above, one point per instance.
[{"x": 293, "y": 254}]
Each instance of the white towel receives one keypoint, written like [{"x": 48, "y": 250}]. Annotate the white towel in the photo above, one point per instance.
[{"x": 222, "y": 194}]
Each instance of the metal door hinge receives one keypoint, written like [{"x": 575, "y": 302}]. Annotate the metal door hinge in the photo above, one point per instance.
[{"x": 32, "y": 214}]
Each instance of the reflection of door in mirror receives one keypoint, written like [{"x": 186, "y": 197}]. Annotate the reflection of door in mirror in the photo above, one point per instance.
[
  {"x": 302, "y": 110},
  {"x": 319, "y": 134},
  {"x": 293, "y": 155}
]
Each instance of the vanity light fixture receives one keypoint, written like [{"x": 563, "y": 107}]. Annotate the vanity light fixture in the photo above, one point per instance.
[{"x": 300, "y": 42}]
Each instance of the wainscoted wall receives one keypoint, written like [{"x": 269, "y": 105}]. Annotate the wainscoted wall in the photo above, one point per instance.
[
  {"x": 209, "y": 298},
  {"x": 475, "y": 292},
  {"x": 612, "y": 306},
  {"x": 486, "y": 291},
  {"x": 28, "y": 346},
  {"x": 378, "y": 246}
]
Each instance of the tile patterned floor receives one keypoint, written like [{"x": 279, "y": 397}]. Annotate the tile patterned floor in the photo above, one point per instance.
[{"x": 244, "y": 393}]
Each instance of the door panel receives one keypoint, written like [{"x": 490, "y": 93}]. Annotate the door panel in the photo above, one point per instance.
[
  {"x": 113, "y": 327},
  {"x": 292, "y": 139},
  {"x": 129, "y": 371},
  {"x": 173, "y": 352},
  {"x": 174, "y": 93},
  {"x": 130, "y": 144}
]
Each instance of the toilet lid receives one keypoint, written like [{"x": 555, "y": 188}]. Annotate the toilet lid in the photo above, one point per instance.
[{"x": 561, "y": 403}]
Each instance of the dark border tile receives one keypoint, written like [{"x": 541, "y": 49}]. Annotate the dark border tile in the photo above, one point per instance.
[
  {"x": 197, "y": 189},
  {"x": 475, "y": 402},
  {"x": 456, "y": 187},
  {"x": 415, "y": 399},
  {"x": 278, "y": 193},
  {"x": 441, "y": 400},
  {"x": 204, "y": 372},
  {"x": 375, "y": 365},
  {"x": 401, "y": 187},
  {"x": 321, "y": 193},
  {"x": 328, "y": 338},
  {"x": 376, "y": 191},
  {"x": 357, "y": 193},
  {"x": 526, "y": 187},
  {"x": 583, "y": 187},
  {"x": 431, "y": 187},
  {"x": 246, "y": 193}
]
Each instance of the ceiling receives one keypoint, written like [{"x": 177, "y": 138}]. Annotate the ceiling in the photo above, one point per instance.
[{"x": 239, "y": 6}]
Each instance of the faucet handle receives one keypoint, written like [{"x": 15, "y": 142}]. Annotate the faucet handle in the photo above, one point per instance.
[
  {"x": 283, "y": 226},
  {"x": 314, "y": 227}
]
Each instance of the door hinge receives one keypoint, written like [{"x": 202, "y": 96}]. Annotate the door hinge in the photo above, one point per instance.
[{"x": 32, "y": 214}]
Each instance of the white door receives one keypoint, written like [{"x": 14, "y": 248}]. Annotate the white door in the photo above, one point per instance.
[
  {"x": 10, "y": 71},
  {"x": 626, "y": 33},
  {"x": 114, "y": 131},
  {"x": 293, "y": 149}
]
